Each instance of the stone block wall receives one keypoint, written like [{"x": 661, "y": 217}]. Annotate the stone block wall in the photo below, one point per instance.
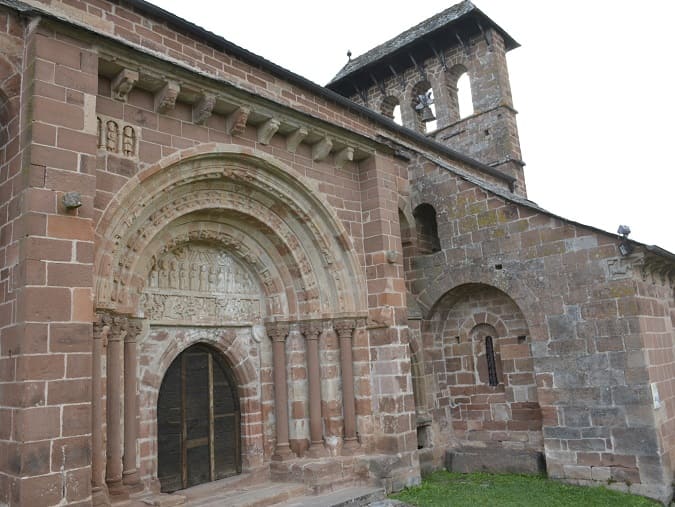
[
  {"x": 594, "y": 326},
  {"x": 506, "y": 414},
  {"x": 11, "y": 190},
  {"x": 48, "y": 271}
]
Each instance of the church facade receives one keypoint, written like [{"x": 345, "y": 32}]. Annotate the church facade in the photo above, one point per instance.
[{"x": 214, "y": 269}]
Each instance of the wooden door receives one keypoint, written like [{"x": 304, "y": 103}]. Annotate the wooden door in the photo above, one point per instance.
[{"x": 198, "y": 430}]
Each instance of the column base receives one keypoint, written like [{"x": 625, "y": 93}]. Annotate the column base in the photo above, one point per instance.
[
  {"x": 283, "y": 453},
  {"x": 117, "y": 490},
  {"x": 132, "y": 480},
  {"x": 350, "y": 446},
  {"x": 99, "y": 496},
  {"x": 317, "y": 450}
]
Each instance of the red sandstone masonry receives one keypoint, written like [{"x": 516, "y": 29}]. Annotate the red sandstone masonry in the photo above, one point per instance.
[{"x": 47, "y": 267}]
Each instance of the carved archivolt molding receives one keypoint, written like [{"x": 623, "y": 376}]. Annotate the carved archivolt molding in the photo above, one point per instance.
[{"x": 260, "y": 198}]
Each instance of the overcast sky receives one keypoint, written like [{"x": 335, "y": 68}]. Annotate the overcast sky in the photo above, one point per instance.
[{"x": 592, "y": 82}]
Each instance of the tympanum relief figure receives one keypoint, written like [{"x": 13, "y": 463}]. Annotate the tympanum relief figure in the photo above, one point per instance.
[{"x": 200, "y": 283}]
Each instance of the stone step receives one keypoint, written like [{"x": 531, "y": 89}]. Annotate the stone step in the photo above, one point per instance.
[
  {"x": 356, "y": 496},
  {"x": 261, "y": 495},
  {"x": 319, "y": 475}
]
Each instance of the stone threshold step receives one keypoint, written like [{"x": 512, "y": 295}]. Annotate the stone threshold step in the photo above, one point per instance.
[
  {"x": 260, "y": 495},
  {"x": 356, "y": 496}
]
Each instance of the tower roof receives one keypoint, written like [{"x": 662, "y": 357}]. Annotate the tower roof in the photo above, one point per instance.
[{"x": 439, "y": 32}]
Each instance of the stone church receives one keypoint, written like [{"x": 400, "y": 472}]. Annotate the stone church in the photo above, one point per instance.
[{"x": 215, "y": 273}]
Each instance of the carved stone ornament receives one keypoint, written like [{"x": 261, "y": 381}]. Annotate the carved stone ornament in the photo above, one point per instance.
[
  {"x": 200, "y": 284},
  {"x": 619, "y": 269},
  {"x": 116, "y": 137},
  {"x": 259, "y": 332},
  {"x": 123, "y": 83},
  {"x": 165, "y": 100}
]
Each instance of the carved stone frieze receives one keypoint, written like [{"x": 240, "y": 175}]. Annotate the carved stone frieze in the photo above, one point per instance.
[
  {"x": 116, "y": 137},
  {"x": 193, "y": 309},
  {"x": 200, "y": 283}
]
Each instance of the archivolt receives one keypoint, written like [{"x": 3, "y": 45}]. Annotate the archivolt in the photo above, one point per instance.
[{"x": 273, "y": 209}]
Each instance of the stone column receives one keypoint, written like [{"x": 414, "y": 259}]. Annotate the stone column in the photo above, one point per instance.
[
  {"x": 279, "y": 332},
  {"x": 311, "y": 331},
  {"x": 99, "y": 491},
  {"x": 114, "y": 409},
  {"x": 130, "y": 475},
  {"x": 345, "y": 329}
]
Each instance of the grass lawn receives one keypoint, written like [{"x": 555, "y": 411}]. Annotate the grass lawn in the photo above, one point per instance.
[{"x": 444, "y": 489}]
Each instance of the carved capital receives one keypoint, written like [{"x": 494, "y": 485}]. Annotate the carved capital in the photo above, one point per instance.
[
  {"x": 165, "y": 100},
  {"x": 203, "y": 109},
  {"x": 267, "y": 130},
  {"x": 343, "y": 156},
  {"x": 321, "y": 149},
  {"x": 311, "y": 330},
  {"x": 134, "y": 328},
  {"x": 278, "y": 331},
  {"x": 123, "y": 83},
  {"x": 295, "y": 138},
  {"x": 236, "y": 121},
  {"x": 344, "y": 327},
  {"x": 102, "y": 327}
]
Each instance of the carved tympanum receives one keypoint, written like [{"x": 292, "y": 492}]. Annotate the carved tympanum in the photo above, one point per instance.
[{"x": 202, "y": 283}]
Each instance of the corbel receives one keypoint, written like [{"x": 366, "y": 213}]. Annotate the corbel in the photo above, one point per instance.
[
  {"x": 461, "y": 43},
  {"x": 235, "y": 124},
  {"x": 379, "y": 85},
  {"x": 203, "y": 109},
  {"x": 321, "y": 149},
  {"x": 486, "y": 35},
  {"x": 165, "y": 99},
  {"x": 343, "y": 156},
  {"x": 122, "y": 84},
  {"x": 420, "y": 68},
  {"x": 267, "y": 130},
  {"x": 439, "y": 56},
  {"x": 361, "y": 93},
  {"x": 401, "y": 79},
  {"x": 295, "y": 138}
]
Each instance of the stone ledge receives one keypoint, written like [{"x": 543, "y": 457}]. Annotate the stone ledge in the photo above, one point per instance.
[{"x": 470, "y": 459}]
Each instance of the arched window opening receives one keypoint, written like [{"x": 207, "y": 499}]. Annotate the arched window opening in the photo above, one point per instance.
[
  {"x": 491, "y": 362},
  {"x": 429, "y": 124},
  {"x": 464, "y": 100},
  {"x": 427, "y": 229},
  {"x": 397, "y": 114},
  {"x": 424, "y": 107},
  {"x": 391, "y": 108}
]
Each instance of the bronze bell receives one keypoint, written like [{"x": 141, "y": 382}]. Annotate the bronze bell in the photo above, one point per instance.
[{"x": 427, "y": 114}]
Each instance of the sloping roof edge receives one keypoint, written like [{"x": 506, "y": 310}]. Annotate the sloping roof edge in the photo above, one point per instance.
[
  {"x": 276, "y": 70},
  {"x": 423, "y": 30}
]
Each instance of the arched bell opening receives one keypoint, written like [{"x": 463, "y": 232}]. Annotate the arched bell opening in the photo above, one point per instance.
[{"x": 198, "y": 420}]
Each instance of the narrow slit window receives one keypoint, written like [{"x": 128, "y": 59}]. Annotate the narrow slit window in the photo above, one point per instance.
[{"x": 491, "y": 361}]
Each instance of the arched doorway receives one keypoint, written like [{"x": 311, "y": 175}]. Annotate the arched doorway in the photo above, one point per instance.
[{"x": 198, "y": 421}]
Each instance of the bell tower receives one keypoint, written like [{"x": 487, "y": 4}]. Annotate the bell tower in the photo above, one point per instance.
[{"x": 424, "y": 73}]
